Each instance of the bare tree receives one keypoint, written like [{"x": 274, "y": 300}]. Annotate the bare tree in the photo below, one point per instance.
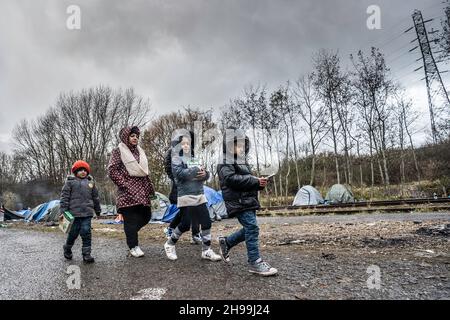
[
  {"x": 327, "y": 81},
  {"x": 373, "y": 89},
  {"x": 313, "y": 114},
  {"x": 82, "y": 125}
]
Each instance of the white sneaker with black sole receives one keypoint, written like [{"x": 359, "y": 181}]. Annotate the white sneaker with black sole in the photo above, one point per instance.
[{"x": 210, "y": 255}]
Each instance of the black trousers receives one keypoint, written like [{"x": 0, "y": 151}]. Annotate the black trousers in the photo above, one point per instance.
[
  {"x": 188, "y": 215},
  {"x": 177, "y": 220},
  {"x": 134, "y": 218},
  {"x": 194, "y": 215}
]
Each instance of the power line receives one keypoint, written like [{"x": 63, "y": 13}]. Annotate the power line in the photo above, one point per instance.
[{"x": 438, "y": 100}]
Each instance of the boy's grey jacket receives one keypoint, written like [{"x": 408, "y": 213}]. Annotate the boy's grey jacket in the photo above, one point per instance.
[{"x": 80, "y": 197}]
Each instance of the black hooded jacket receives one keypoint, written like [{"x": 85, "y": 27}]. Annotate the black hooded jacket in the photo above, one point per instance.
[{"x": 239, "y": 186}]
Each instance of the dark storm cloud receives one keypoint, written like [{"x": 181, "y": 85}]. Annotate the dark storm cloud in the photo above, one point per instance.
[{"x": 177, "y": 53}]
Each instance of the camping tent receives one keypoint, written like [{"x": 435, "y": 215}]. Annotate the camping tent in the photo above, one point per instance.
[
  {"x": 15, "y": 215},
  {"x": 108, "y": 210},
  {"x": 38, "y": 213},
  {"x": 159, "y": 206},
  {"x": 216, "y": 205},
  {"x": 307, "y": 195},
  {"x": 339, "y": 194},
  {"x": 170, "y": 213}
]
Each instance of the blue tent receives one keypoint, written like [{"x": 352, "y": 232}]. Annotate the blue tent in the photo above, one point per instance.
[
  {"x": 170, "y": 213},
  {"x": 16, "y": 215},
  {"x": 212, "y": 196},
  {"x": 39, "y": 212},
  {"x": 215, "y": 206}
]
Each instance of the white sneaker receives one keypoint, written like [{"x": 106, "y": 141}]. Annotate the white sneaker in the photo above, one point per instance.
[
  {"x": 211, "y": 255},
  {"x": 135, "y": 253},
  {"x": 139, "y": 251},
  {"x": 170, "y": 251}
]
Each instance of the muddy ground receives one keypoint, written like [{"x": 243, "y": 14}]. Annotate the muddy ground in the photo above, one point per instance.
[{"x": 318, "y": 257}]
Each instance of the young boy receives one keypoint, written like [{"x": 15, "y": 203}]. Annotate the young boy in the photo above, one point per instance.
[
  {"x": 240, "y": 192},
  {"x": 79, "y": 196}
]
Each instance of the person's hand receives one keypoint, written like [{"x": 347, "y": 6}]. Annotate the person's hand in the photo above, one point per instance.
[
  {"x": 262, "y": 182},
  {"x": 201, "y": 174}
]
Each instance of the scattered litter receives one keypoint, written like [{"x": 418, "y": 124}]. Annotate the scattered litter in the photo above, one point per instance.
[
  {"x": 371, "y": 224},
  {"x": 417, "y": 222},
  {"x": 112, "y": 222},
  {"x": 107, "y": 230},
  {"x": 150, "y": 294},
  {"x": 440, "y": 230},
  {"x": 328, "y": 256},
  {"x": 425, "y": 253},
  {"x": 425, "y": 265},
  {"x": 290, "y": 241},
  {"x": 2, "y": 225}
]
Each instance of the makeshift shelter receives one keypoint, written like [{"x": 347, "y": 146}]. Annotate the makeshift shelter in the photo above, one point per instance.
[
  {"x": 216, "y": 205},
  {"x": 159, "y": 206},
  {"x": 307, "y": 195},
  {"x": 38, "y": 213},
  {"x": 339, "y": 194},
  {"x": 170, "y": 213},
  {"x": 15, "y": 215},
  {"x": 108, "y": 210},
  {"x": 52, "y": 214}
]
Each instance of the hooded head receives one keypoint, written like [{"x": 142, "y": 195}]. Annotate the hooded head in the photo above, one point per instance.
[
  {"x": 177, "y": 138},
  {"x": 236, "y": 146},
  {"x": 125, "y": 135}
]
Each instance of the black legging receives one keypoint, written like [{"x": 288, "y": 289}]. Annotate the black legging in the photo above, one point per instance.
[
  {"x": 190, "y": 215},
  {"x": 134, "y": 218},
  {"x": 177, "y": 220}
]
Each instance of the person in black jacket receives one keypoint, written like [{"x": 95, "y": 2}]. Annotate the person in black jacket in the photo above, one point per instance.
[
  {"x": 195, "y": 228},
  {"x": 80, "y": 197},
  {"x": 240, "y": 193}
]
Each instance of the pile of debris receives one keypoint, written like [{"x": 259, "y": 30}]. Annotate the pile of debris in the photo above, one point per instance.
[{"x": 442, "y": 230}]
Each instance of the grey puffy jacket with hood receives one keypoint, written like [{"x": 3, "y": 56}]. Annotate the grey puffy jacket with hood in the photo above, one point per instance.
[
  {"x": 80, "y": 197},
  {"x": 185, "y": 177}
]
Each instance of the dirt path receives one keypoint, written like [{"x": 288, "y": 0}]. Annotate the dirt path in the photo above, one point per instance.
[{"x": 329, "y": 257}]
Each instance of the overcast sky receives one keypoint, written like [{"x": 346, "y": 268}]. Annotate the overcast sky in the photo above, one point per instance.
[{"x": 188, "y": 52}]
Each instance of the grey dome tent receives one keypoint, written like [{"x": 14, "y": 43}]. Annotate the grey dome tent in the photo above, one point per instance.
[
  {"x": 159, "y": 206},
  {"x": 339, "y": 194},
  {"x": 307, "y": 195}
]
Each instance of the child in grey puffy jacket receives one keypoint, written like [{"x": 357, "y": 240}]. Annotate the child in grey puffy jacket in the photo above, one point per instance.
[
  {"x": 79, "y": 196},
  {"x": 189, "y": 178}
]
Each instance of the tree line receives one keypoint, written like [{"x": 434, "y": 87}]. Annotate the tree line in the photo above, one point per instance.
[{"x": 331, "y": 125}]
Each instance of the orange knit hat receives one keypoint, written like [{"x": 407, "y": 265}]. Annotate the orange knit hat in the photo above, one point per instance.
[{"x": 81, "y": 164}]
